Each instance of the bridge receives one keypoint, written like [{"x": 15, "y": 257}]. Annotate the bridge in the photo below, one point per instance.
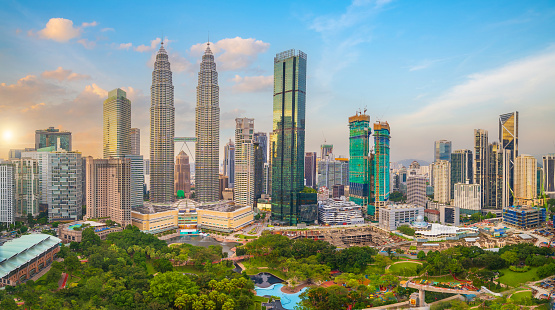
[{"x": 431, "y": 288}]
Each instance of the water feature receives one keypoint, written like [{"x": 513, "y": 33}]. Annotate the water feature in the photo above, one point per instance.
[
  {"x": 288, "y": 301},
  {"x": 264, "y": 279},
  {"x": 203, "y": 241}
]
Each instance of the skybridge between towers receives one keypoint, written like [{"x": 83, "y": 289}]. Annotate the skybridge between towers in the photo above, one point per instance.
[{"x": 177, "y": 140}]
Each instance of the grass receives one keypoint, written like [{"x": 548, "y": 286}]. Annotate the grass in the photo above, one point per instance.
[
  {"x": 258, "y": 300},
  {"x": 187, "y": 269},
  {"x": 520, "y": 295},
  {"x": 514, "y": 279},
  {"x": 241, "y": 236},
  {"x": 150, "y": 268},
  {"x": 396, "y": 268}
]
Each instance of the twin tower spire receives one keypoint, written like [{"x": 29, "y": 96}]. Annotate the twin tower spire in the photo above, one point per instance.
[{"x": 162, "y": 130}]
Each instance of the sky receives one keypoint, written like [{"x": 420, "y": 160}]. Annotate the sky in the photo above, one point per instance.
[{"x": 433, "y": 70}]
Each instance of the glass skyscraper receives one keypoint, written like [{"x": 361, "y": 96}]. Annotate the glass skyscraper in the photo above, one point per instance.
[
  {"x": 359, "y": 162},
  {"x": 442, "y": 150},
  {"x": 116, "y": 124},
  {"x": 162, "y": 131},
  {"x": 461, "y": 168},
  {"x": 381, "y": 160},
  {"x": 288, "y": 138},
  {"x": 207, "y": 131},
  {"x": 508, "y": 140}
]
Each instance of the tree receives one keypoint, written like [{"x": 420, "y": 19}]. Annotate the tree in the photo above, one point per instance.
[
  {"x": 510, "y": 257},
  {"x": 8, "y": 303},
  {"x": 163, "y": 287},
  {"x": 421, "y": 255},
  {"x": 405, "y": 229},
  {"x": 71, "y": 263}
]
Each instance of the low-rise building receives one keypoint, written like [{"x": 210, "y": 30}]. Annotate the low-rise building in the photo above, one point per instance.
[
  {"x": 432, "y": 215},
  {"x": 524, "y": 217},
  {"x": 339, "y": 211},
  {"x": 73, "y": 232},
  {"x": 224, "y": 216},
  {"x": 154, "y": 219},
  {"x": 393, "y": 216},
  {"x": 25, "y": 256},
  {"x": 438, "y": 232}
]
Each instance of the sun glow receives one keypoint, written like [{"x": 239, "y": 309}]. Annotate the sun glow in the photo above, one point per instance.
[{"x": 7, "y": 136}]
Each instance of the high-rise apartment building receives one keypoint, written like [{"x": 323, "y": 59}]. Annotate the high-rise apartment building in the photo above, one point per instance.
[
  {"x": 117, "y": 124},
  {"x": 468, "y": 198},
  {"x": 183, "y": 174},
  {"x": 442, "y": 181},
  {"x": 51, "y": 136},
  {"x": 508, "y": 139},
  {"x": 481, "y": 163},
  {"x": 381, "y": 161},
  {"x": 135, "y": 136},
  {"x": 525, "y": 180},
  {"x": 360, "y": 161},
  {"x": 229, "y": 162},
  {"x": 495, "y": 177},
  {"x": 258, "y": 170},
  {"x": 549, "y": 175},
  {"x": 325, "y": 150},
  {"x": 7, "y": 193},
  {"x": 64, "y": 186},
  {"x": 109, "y": 189},
  {"x": 288, "y": 138},
  {"x": 207, "y": 130},
  {"x": 310, "y": 169},
  {"x": 442, "y": 150},
  {"x": 416, "y": 190},
  {"x": 332, "y": 171},
  {"x": 137, "y": 181},
  {"x": 243, "y": 190},
  {"x": 539, "y": 180},
  {"x": 42, "y": 159},
  {"x": 162, "y": 130},
  {"x": 461, "y": 168},
  {"x": 27, "y": 191}
]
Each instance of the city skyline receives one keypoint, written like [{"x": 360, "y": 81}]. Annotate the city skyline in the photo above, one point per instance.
[{"x": 65, "y": 86}]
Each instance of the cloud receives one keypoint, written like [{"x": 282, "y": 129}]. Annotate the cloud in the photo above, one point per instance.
[
  {"x": 93, "y": 24},
  {"x": 60, "y": 30},
  {"x": 94, "y": 89},
  {"x": 234, "y": 53},
  {"x": 228, "y": 117},
  {"x": 145, "y": 48},
  {"x": 33, "y": 107},
  {"x": 26, "y": 92},
  {"x": 86, "y": 43},
  {"x": 251, "y": 84},
  {"x": 524, "y": 85},
  {"x": 62, "y": 74},
  {"x": 125, "y": 46},
  {"x": 107, "y": 29}
]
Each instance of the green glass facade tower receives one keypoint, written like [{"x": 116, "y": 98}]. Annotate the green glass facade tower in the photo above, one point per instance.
[
  {"x": 288, "y": 137},
  {"x": 381, "y": 161},
  {"x": 359, "y": 160}
]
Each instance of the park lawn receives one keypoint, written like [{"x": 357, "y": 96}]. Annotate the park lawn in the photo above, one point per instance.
[
  {"x": 400, "y": 266},
  {"x": 520, "y": 295},
  {"x": 150, "y": 267},
  {"x": 514, "y": 279},
  {"x": 241, "y": 236},
  {"x": 188, "y": 269},
  {"x": 258, "y": 300}
]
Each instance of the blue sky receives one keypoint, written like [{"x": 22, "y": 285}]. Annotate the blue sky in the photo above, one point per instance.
[{"x": 433, "y": 70}]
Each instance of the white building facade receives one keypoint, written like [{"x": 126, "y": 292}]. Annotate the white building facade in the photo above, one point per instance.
[
  {"x": 393, "y": 216},
  {"x": 7, "y": 192},
  {"x": 243, "y": 193},
  {"x": 442, "y": 181},
  {"x": 339, "y": 211},
  {"x": 468, "y": 197},
  {"x": 416, "y": 190}
]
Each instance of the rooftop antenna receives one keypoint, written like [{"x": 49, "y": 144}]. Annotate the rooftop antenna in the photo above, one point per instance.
[
  {"x": 324, "y": 137},
  {"x": 162, "y": 37},
  {"x": 365, "y": 109}
]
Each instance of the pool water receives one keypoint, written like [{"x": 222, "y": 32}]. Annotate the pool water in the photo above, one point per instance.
[
  {"x": 74, "y": 226},
  {"x": 288, "y": 301}
]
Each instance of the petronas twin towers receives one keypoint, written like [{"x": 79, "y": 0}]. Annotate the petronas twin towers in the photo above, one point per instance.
[{"x": 162, "y": 130}]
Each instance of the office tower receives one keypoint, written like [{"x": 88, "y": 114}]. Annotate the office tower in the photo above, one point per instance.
[
  {"x": 461, "y": 168},
  {"x": 442, "y": 181},
  {"x": 381, "y": 161},
  {"x": 310, "y": 169},
  {"x": 117, "y": 124},
  {"x": 508, "y": 139},
  {"x": 162, "y": 130},
  {"x": 146, "y": 174},
  {"x": 338, "y": 190},
  {"x": 539, "y": 181},
  {"x": 207, "y": 130},
  {"x": 258, "y": 170},
  {"x": 262, "y": 139},
  {"x": 136, "y": 163},
  {"x": 135, "y": 141},
  {"x": 64, "y": 190},
  {"x": 14, "y": 154},
  {"x": 467, "y": 197},
  {"x": 525, "y": 183},
  {"x": 481, "y": 163},
  {"x": 359, "y": 160},
  {"x": 108, "y": 189},
  {"x": 229, "y": 162},
  {"x": 7, "y": 193},
  {"x": 549, "y": 175},
  {"x": 61, "y": 140},
  {"x": 223, "y": 184},
  {"x": 333, "y": 171},
  {"x": 182, "y": 174},
  {"x": 416, "y": 190},
  {"x": 27, "y": 191},
  {"x": 288, "y": 138},
  {"x": 267, "y": 179},
  {"x": 243, "y": 193},
  {"x": 325, "y": 150},
  {"x": 442, "y": 150},
  {"x": 495, "y": 177}
]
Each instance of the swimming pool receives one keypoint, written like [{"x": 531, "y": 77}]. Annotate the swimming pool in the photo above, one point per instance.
[
  {"x": 288, "y": 301},
  {"x": 74, "y": 226}
]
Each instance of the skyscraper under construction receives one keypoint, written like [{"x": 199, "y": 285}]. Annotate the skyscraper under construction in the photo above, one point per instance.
[{"x": 359, "y": 160}]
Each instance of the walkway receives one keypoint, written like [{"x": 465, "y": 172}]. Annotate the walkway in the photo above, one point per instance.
[
  {"x": 403, "y": 261},
  {"x": 439, "y": 289}
]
